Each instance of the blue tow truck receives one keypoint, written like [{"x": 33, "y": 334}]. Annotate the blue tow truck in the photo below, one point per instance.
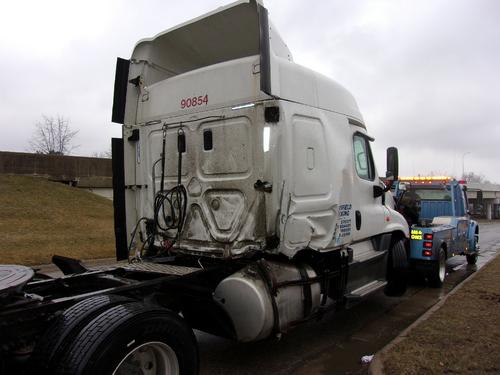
[{"x": 436, "y": 209}]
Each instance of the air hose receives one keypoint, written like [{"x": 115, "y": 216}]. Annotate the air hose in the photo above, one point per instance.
[{"x": 169, "y": 207}]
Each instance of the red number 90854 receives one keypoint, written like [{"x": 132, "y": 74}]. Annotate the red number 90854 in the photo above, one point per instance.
[{"x": 194, "y": 101}]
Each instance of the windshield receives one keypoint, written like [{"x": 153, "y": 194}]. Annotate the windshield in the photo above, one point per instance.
[{"x": 431, "y": 194}]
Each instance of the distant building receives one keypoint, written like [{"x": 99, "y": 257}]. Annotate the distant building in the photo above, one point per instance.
[
  {"x": 484, "y": 200},
  {"x": 92, "y": 174}
]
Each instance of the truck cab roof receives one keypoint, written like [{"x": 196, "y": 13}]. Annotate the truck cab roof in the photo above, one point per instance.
[{"x": 241, "y": 37}]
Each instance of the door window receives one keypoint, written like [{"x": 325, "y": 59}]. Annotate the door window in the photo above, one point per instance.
[{"x": 363, "y": 158}]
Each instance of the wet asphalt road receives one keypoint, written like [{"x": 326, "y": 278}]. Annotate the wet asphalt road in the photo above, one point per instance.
[{"x": 335, "y": 344}]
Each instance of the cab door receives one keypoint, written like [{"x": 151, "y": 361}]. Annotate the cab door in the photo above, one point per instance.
[{"x": 369, "y": 212}]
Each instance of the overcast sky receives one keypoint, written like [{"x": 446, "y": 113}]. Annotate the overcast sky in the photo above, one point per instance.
[{"x": 426, "y": 74}]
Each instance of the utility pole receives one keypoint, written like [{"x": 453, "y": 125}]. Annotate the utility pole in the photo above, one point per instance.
[{"x": 463, "y": 162}]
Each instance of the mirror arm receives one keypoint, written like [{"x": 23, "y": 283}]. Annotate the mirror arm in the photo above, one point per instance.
[{"x": 388, "y": 186}]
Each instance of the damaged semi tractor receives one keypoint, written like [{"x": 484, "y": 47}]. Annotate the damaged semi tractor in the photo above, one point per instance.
[
  {"x": 246, "y": 201},
  {"x": 234, "y": 154}
]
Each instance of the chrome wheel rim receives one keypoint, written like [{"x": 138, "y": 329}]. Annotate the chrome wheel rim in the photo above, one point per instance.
[
  {"x": 442, "y": 266},
  {"x": 151, "y": 358}
]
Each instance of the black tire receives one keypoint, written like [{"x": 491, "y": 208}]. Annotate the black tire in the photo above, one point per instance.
[
  {"x": 64, "y": 328},
  {"x": 106, "y": 342},
  {"x": 471, "y": 258},
  {"x": 437, "y": 275},
  {"x": 397, "y": 270}
]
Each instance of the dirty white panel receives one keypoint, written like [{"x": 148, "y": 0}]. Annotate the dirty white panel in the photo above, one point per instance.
[
  {"x": 171, "y": 153},
  {"x": 310, "y": 158},
  {"x": 196, "y": 227},
  {"x": 231, "y": 151},
  {"x": 225, "y": 207},
  {"x": 216, "y": 86}
]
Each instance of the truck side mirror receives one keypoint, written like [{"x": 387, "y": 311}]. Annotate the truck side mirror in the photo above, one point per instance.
[
  {"x": 392, "y": 164},
  {"x": 378, "y": 191}
]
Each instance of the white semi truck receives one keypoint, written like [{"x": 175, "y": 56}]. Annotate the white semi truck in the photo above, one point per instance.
[{"x": 246, "y": 201}]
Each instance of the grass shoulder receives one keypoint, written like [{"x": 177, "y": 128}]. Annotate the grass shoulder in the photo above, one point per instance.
[
  {"x": 40, "y": 218},
  {"x": 461, "y": 337}
]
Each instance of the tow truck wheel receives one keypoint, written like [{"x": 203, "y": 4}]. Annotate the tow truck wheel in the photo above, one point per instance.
[
  {"x": 133, "y": 339},
  {"x": 61, "y": 332},
  {"x": 471, "y": 258},
  {"x": 436, "y": 277}
]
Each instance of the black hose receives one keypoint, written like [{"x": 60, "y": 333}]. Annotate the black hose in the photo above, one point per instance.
[
  {"x": 179, "y": 160},
  {"x": 134, "y": 233},
  {"x": 169, "y": 206},
  {"x": 162, "y": 185}
]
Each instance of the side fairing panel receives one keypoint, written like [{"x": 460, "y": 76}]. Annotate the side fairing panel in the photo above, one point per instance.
[
  {"x": 316, "y": 200},
  {"x": 311, "y": 176}
]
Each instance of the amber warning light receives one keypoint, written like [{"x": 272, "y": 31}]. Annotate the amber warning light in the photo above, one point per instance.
[{"x": 426, "y": 179}]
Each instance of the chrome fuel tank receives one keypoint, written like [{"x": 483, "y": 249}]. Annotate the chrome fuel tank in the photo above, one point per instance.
[{"x": 258, "y": 305}]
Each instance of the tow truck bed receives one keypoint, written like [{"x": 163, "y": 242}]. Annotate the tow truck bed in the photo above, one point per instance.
[{"x": 421, "y": 255}]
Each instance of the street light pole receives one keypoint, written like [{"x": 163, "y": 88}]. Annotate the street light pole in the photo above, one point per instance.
[{"x": 463, "y": 162}]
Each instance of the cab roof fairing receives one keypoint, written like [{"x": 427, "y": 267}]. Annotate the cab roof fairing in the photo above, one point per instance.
[
  {"x": 294, "y": 82},
  {"x": 235, "y": 31},
  {"x": 225, "y": 34},
  {"x": 195, "y": 20}
]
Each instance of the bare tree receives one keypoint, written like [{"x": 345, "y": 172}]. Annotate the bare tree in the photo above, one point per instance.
[
  {"x": 473, "y": 177},
  {"x": 53, "y": 136},
  {"x": 102, "y": 154}
]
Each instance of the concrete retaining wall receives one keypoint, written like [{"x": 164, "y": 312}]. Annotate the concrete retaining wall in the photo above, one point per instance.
[{"x": 56, "y": 167}]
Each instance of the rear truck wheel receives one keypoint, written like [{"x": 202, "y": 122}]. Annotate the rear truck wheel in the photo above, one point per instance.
[
  {"x": 133, "y": 339},
  {"x": 60, "y": 334},
  {"x": 437, "y": 275},
  {"x": 397, "y": 270},
  {"x": 471, "y": 258}
]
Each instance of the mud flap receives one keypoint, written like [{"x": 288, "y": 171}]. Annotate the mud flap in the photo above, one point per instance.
[{"x": 119, "y": 198}]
